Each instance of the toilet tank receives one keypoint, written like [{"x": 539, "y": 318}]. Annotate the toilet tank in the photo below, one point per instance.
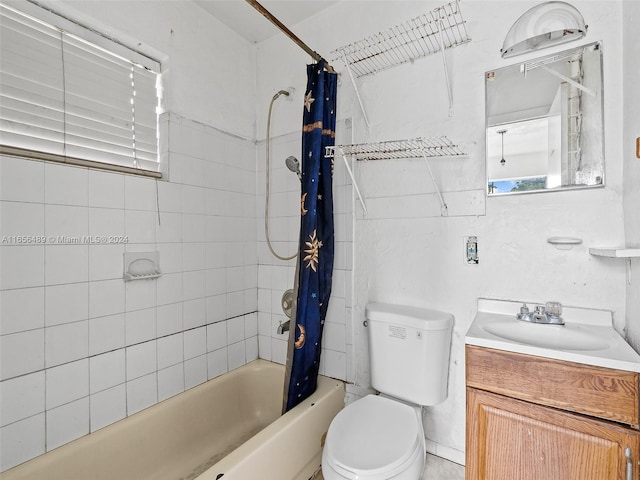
[{"x": 409, "y": 352}]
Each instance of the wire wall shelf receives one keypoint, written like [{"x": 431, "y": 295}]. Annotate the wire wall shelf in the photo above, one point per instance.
[
  {"x": 396, "y": 149},
  {"x": 406, "y": 42},
  {"x": 420, "y": 147}
]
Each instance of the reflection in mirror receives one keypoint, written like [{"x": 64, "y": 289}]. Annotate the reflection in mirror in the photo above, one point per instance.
[{"x": 544, "y": 123}]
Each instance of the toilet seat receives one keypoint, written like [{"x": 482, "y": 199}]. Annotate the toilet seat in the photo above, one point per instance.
[{"x": 373, "y": 436}]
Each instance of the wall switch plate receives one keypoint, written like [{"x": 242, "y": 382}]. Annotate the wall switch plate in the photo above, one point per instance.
[{"x": 471, "y": 250}]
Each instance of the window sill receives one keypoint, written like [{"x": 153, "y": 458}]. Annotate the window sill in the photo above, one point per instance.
[{"x": 78, "y": 162}]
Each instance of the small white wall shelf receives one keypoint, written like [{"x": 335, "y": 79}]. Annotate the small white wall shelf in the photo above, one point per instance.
[
  {"x": 564, "y": 243},
  {"x": 615, "y": 252},
  {"x": 421, "y": 147},
  {"x": 626, "y": 253},
  {"x": 141, "y": 266}
]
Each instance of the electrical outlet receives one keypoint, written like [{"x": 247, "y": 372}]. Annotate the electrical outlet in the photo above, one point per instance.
[{"x": 471, "y": 250}]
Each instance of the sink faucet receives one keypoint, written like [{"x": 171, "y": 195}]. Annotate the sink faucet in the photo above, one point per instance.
[{"x": 539, "y": 315}]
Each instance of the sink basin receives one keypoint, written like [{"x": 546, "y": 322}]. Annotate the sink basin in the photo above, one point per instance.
[
  {"x": 588, "y": 336},
  {"x": 562, "y": 337}
]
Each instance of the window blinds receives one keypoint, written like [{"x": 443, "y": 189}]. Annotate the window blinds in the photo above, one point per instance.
[{"x": 64, "y": 96}]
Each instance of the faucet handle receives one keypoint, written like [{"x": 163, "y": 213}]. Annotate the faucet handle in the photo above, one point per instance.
[
  {"x": 524, "y": 313},
  {"x": 554, "y": 308}
]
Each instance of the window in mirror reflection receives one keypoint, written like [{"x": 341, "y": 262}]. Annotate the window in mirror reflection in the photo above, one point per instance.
[{"x": 544, "y": 123}]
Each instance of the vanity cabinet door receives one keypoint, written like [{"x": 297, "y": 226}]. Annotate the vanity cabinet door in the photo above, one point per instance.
[{"x": 510, "y": 439}]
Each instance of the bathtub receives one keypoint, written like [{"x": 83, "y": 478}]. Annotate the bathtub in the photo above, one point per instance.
[{"x": 228, "y": 428}]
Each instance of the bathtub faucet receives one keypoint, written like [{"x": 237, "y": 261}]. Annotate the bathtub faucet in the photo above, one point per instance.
[{"x": 283, "y": 327}]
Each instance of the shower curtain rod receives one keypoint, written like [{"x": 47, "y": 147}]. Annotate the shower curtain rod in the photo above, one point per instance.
[{"x": 269, "y": 16}]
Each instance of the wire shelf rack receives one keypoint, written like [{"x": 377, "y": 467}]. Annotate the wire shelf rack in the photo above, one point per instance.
[
  {"x": 406, "y": 42},
  {"x": 395, "y": 149}
]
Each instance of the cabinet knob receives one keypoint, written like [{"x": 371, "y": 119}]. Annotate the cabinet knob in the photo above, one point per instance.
[{"x": 627, "y": 453}]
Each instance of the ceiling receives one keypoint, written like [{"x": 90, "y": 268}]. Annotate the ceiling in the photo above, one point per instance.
[{"x": 250, "y": 24}]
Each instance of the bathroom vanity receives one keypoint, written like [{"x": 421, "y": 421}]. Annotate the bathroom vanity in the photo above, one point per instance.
[{"x": 543, "y": 406}]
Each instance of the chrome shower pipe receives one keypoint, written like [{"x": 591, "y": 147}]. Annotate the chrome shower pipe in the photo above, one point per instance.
[
  {"x": 267, "y": 173},
  {"x": 281, "y": 92}
]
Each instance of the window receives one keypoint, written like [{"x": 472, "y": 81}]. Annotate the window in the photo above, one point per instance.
[{"x": 70, "y": 95}]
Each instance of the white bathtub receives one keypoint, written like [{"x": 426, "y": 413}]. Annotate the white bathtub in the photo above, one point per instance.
[{"x": 229, "y": 426}]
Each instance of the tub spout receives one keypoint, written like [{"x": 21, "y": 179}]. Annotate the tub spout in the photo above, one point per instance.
[{"x": 283, "y": 327}]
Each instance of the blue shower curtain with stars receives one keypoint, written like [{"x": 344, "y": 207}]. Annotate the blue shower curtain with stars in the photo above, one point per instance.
[{"x": 315, "y": 259}]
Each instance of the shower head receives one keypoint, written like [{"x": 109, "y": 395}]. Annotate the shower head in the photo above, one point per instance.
[{"x": 293, "y": 165}]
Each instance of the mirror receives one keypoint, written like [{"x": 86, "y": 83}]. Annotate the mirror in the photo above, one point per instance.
[{"x": 544, "y": 128}]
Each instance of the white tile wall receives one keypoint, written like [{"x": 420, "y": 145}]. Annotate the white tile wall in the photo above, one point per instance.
[
  {"x": 22, "y": 266},
  {"x": 142, "y": 392},
  {"x": 80, "y": 348},
  {"x": 66, "y": 303},
  {"x": 66, "y": 383},
  {"x": 106, "y": 333},
  {"x": 107, "y": 406},
  {"x": 66, "y": 343},
  {"x": 107, "y": 370},
  {"x": 67, "y": 422},
  {"x": 195, "y": 371},
  {"x": 170, "y": 381},
  {"x": 66, "y": 264},
  {"x": 22, "y": 440},
  {"x": 22, "y": 397},
  {"x": 21, "y": 309},
  {"x": 22, "y": 182},
  {"x": 21, "y": 353},
  {"x": 275, "y": 276}
]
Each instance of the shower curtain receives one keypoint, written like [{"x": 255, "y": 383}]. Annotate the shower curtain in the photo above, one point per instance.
[{"x": 315, "y": 258}]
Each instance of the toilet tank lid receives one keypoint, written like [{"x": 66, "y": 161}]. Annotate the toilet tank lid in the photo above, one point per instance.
[{"x": 416, "y": 317}]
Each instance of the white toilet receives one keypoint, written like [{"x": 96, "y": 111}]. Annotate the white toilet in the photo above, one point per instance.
[{"x": 381, "y": 436}]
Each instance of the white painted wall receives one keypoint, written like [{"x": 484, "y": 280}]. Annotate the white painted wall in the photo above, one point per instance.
[
  {"x": 631, "y": 72},
  {"x": 404, "y": 252}
]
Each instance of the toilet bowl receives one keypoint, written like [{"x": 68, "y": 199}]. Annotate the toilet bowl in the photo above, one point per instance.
[
  {"x": 381, "y": 437},
  {"x": 375, "y": 438}
]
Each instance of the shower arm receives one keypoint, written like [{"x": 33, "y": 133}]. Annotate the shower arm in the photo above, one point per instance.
[{"x": 283, "y": 28}]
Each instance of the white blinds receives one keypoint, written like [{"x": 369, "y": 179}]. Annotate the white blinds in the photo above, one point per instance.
[{"x": 64, "y": 96}]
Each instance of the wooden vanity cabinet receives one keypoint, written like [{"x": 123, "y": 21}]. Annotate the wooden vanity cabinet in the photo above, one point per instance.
[{"x": 523, "y": 425}]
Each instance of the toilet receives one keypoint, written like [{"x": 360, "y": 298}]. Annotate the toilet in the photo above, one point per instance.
[{"x": 381, "y": 436}]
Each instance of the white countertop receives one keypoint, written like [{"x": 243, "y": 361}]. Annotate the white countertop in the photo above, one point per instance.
[{"x": 617, "y": 353}]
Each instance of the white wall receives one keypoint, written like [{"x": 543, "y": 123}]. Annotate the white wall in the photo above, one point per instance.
[
  {"x": 404, "y": 252},
  {"x": 631, "y": 69}
]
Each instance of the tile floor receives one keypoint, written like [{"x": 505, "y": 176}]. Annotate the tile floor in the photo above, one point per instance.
[
  {"x": 437, "y": 469},
  {"x": 440, "y": 469}
]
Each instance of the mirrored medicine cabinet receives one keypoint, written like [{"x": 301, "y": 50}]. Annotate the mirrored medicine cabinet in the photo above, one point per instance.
[{"x": 544, "y": 123}]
